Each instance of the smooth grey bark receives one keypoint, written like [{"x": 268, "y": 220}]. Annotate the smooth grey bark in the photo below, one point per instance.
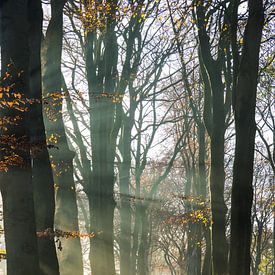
[
  {"x": 219, "y": 245},
  {"x": 190, "y": 261},
  {"x": 125, "y": 206},
  {"x": 244, "y": 113},
  {"x": 101, "y": 197},
  {"x": 206, "y": 265},
  {"x": 255, "y": 269},
  {"x": 124, "y": 184},
  {"x": 16, "y": 183},
  {"x": 127, "y": 123},
  {"x": 66, "y": 214},
  {"x": 44, "y": 197},
  {"x": 101, "y": 76},
  {"x": 136, "y": 230},
  {"x": 214, "y": 118},
  {"x": 143, "y": 249},
  {"x": 138, "y": 204},
  {"x": 201, "y": 179}
]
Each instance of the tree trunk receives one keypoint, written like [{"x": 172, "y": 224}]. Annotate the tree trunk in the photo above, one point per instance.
[
  {"x": 125, "y": 207},
  {"x": 214, "y": 118},
  {"x": 206, "y": 268},
  {"x": 142, "y": 261},
  {"x": 244, "y": 112},
  {"x": 66, "y": 215},
  {"x": 193, "y": 263},
  {"x": 101, "y": 198},
  {"x": 44, "y": 197},
  {"x": 217, "y": 178},
  {"x": 16, "y": 183},
  {"x": 191, "y": 232},
  {"x": 138, "y": 210},
  {"x": 101, "y": 76},
  {"x": 258, "y": 249},
  {"x": 136, "y": 230}
]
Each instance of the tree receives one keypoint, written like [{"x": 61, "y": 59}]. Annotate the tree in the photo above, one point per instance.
[
  {"x": 44, "y": 194},
  {"x": 261, "y": 248},
  {"x": 66, "y": 213},
  {"x": 16, "y": 183},
  {"x": 244, "y": 102},
  {"x": 101, "y": 62},
  {"x": 215, "y": 64}
]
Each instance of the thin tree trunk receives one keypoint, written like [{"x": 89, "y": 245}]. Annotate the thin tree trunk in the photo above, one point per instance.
[
  {"x": 206, "y": 268},
  {"x": 125, "y": 208},
  {"x": 136, "y": 230},
  {"x": 203, "y": 191},
  {"x": 244, "y": 112},
  {"x": 138, "y": 205},
  {"x": 258, "y": 249},
  {"x": 142, "y": 261},
  {"x": 190, "y": 261}
]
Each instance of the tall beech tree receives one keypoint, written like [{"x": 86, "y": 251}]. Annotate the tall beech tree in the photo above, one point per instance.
[
  {"x": 107, "y": 84},
  {"x": 136, "y": 49},
  {"x": 244, "y": 102},
  {"x": 132, "y": 47},
  {"x": 215, "y": 65},
  {"x": 101, "y": 65},
  {"x": 197, "y": 104},
  {"x": 42, "y": 177},
  {"x": 66, "y": 214},
  {"x": 17, "y": 182}
]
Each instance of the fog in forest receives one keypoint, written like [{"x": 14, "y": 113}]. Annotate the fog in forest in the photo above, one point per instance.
[{"x": 137, "y": 137}]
